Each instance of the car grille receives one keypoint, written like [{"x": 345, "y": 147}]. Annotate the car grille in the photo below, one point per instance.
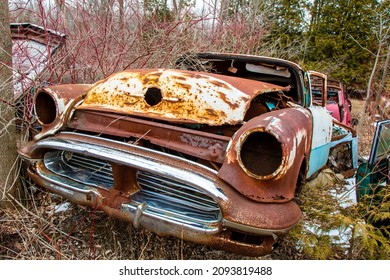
[{"x": 166, "y": 198}]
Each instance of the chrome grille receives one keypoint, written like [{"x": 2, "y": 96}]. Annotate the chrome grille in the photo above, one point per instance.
[
  {"x": 166, "y": 198},
  {"x": 180, "y": 202},
  {"x": 82, "y": 169}
]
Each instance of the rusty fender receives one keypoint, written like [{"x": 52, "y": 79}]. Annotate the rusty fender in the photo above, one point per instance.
[
  {"x": 56, "y": 104},
  {"x": 292, "y": 129}
]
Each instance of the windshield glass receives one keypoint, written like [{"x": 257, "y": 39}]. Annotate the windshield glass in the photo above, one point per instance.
[{"x": 384, "y": 141}]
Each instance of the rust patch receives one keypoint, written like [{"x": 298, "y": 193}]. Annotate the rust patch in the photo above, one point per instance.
[
  {"x": 207, "y": 146},
  {"x": 125, "y": 179},
  {"x": 194, "y": 97}
]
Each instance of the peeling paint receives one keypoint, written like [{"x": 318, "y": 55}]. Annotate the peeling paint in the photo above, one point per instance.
[{"x": 186, "y": 96}]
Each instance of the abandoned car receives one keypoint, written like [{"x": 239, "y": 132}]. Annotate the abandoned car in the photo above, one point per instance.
[
  {"x": 338, "y": 103},
  {"x": 373, "y": 174},
  {"x": 213, "y": 151}
]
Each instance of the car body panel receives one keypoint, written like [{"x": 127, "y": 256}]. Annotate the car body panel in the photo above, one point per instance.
[
  {"x": 322, "y": 128},
  {"x": 291, "y": 127},
  {"x": 322, "y": 134},
  {"x": 373, "y": 174},
  {"x": 178, "y": 95}
]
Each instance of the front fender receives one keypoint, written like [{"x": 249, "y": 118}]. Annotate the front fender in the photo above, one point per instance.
[
  {"x": 55, "y": 104},
  {"x": 292, "y": 129}
]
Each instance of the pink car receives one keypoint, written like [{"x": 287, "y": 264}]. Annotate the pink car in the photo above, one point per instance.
[{"x": 337, "y": 102}]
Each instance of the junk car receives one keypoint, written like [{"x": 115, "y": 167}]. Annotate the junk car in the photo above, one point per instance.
[
  {"x": 373, "y": 176},
  {"x": 338, "y": 103},
  {"x": 212, "y": 151}
]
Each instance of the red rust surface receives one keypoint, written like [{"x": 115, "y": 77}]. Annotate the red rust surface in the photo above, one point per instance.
[
  {"x": 207, "y": 146},
  {"x": 125, "y": 179},
  {"x": 66, "y": 92},
  {"x": 65, "y": 98}
]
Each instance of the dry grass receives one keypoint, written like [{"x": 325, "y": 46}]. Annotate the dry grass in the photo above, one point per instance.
[{"x": 36, "y": 231}]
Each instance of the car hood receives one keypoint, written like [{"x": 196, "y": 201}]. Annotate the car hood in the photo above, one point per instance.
[{"x": 176, "y": 96}]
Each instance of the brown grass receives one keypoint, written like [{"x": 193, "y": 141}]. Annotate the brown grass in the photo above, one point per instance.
[{"x": 35, "y": 231}]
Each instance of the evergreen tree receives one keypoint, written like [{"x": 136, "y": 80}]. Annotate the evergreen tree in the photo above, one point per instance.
[{"x": 338, "y": 31}]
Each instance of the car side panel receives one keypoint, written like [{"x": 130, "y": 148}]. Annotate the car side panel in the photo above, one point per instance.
[{"x": 321, "y": 138}]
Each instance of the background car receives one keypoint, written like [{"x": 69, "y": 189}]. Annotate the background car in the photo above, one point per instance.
[
  {"x": 337, "y": 103},
  {"x": 373, "y": 174},
  {"x": 373, "y": 179}
]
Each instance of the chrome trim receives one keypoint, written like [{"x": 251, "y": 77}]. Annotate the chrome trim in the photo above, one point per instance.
[
  {"x": 162, "y": 197},
  {"x": 140, "y": 210},
  {"x": 139, "y": 213},
  {"x": 153, "y": 162},
  {"x": 149, "y": 162},
  {"x": 255, "y": 231},
  {"x": 147, "y": 215},
  {"x": 67, "y": 187},
  {"x": 140, "y": 148},
  {"x": 85, "y": 170}
]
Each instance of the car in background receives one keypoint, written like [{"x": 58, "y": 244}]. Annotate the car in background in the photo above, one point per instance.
[
  {"x": 337, "y": 103},
  {"x": 373, "y": 174},
  {"x": 34, "y": 48},
  {"x": 373, "y": 178}
]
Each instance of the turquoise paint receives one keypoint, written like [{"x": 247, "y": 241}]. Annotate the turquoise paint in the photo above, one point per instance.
[
  {"x": 318, "y": 158},
  {"x": 270, "y": 105}
]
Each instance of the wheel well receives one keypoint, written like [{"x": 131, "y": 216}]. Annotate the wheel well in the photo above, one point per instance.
[{"x": 301, "y": 180}]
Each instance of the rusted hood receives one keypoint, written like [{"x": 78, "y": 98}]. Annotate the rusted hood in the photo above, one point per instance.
[{"x": 176, "y": 95}]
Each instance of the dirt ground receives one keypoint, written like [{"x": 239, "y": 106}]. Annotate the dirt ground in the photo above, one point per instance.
[{"x": 364, "y": 130}]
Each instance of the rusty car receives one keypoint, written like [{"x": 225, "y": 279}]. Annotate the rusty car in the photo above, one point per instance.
[{"x": 212, "y": 151}]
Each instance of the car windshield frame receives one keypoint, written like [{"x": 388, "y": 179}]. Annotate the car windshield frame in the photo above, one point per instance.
[{"x": 381, "y": 142}]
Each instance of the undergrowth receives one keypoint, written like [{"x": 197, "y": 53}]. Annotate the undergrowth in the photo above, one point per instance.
[
  {"x": 45, "y": 226},
  {"x": 336, "y": 227}
]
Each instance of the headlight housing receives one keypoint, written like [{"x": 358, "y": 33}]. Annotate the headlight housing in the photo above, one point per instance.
[
  {"x": 260, "y": 154},
  {"x": 45, "y": 107}
]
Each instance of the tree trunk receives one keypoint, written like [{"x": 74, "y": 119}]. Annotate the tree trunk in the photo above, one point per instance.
[
  {"x": 8, "y": 155},
  {"x": 381, "y": 92}
]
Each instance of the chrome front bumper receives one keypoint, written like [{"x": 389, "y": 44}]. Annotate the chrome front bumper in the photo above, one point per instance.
[{"x": 177, "y": 197}]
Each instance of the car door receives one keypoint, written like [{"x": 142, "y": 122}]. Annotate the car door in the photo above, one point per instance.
[
  {"x": 373, "y": 174},
  {"x": 322, "y": 125}
]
